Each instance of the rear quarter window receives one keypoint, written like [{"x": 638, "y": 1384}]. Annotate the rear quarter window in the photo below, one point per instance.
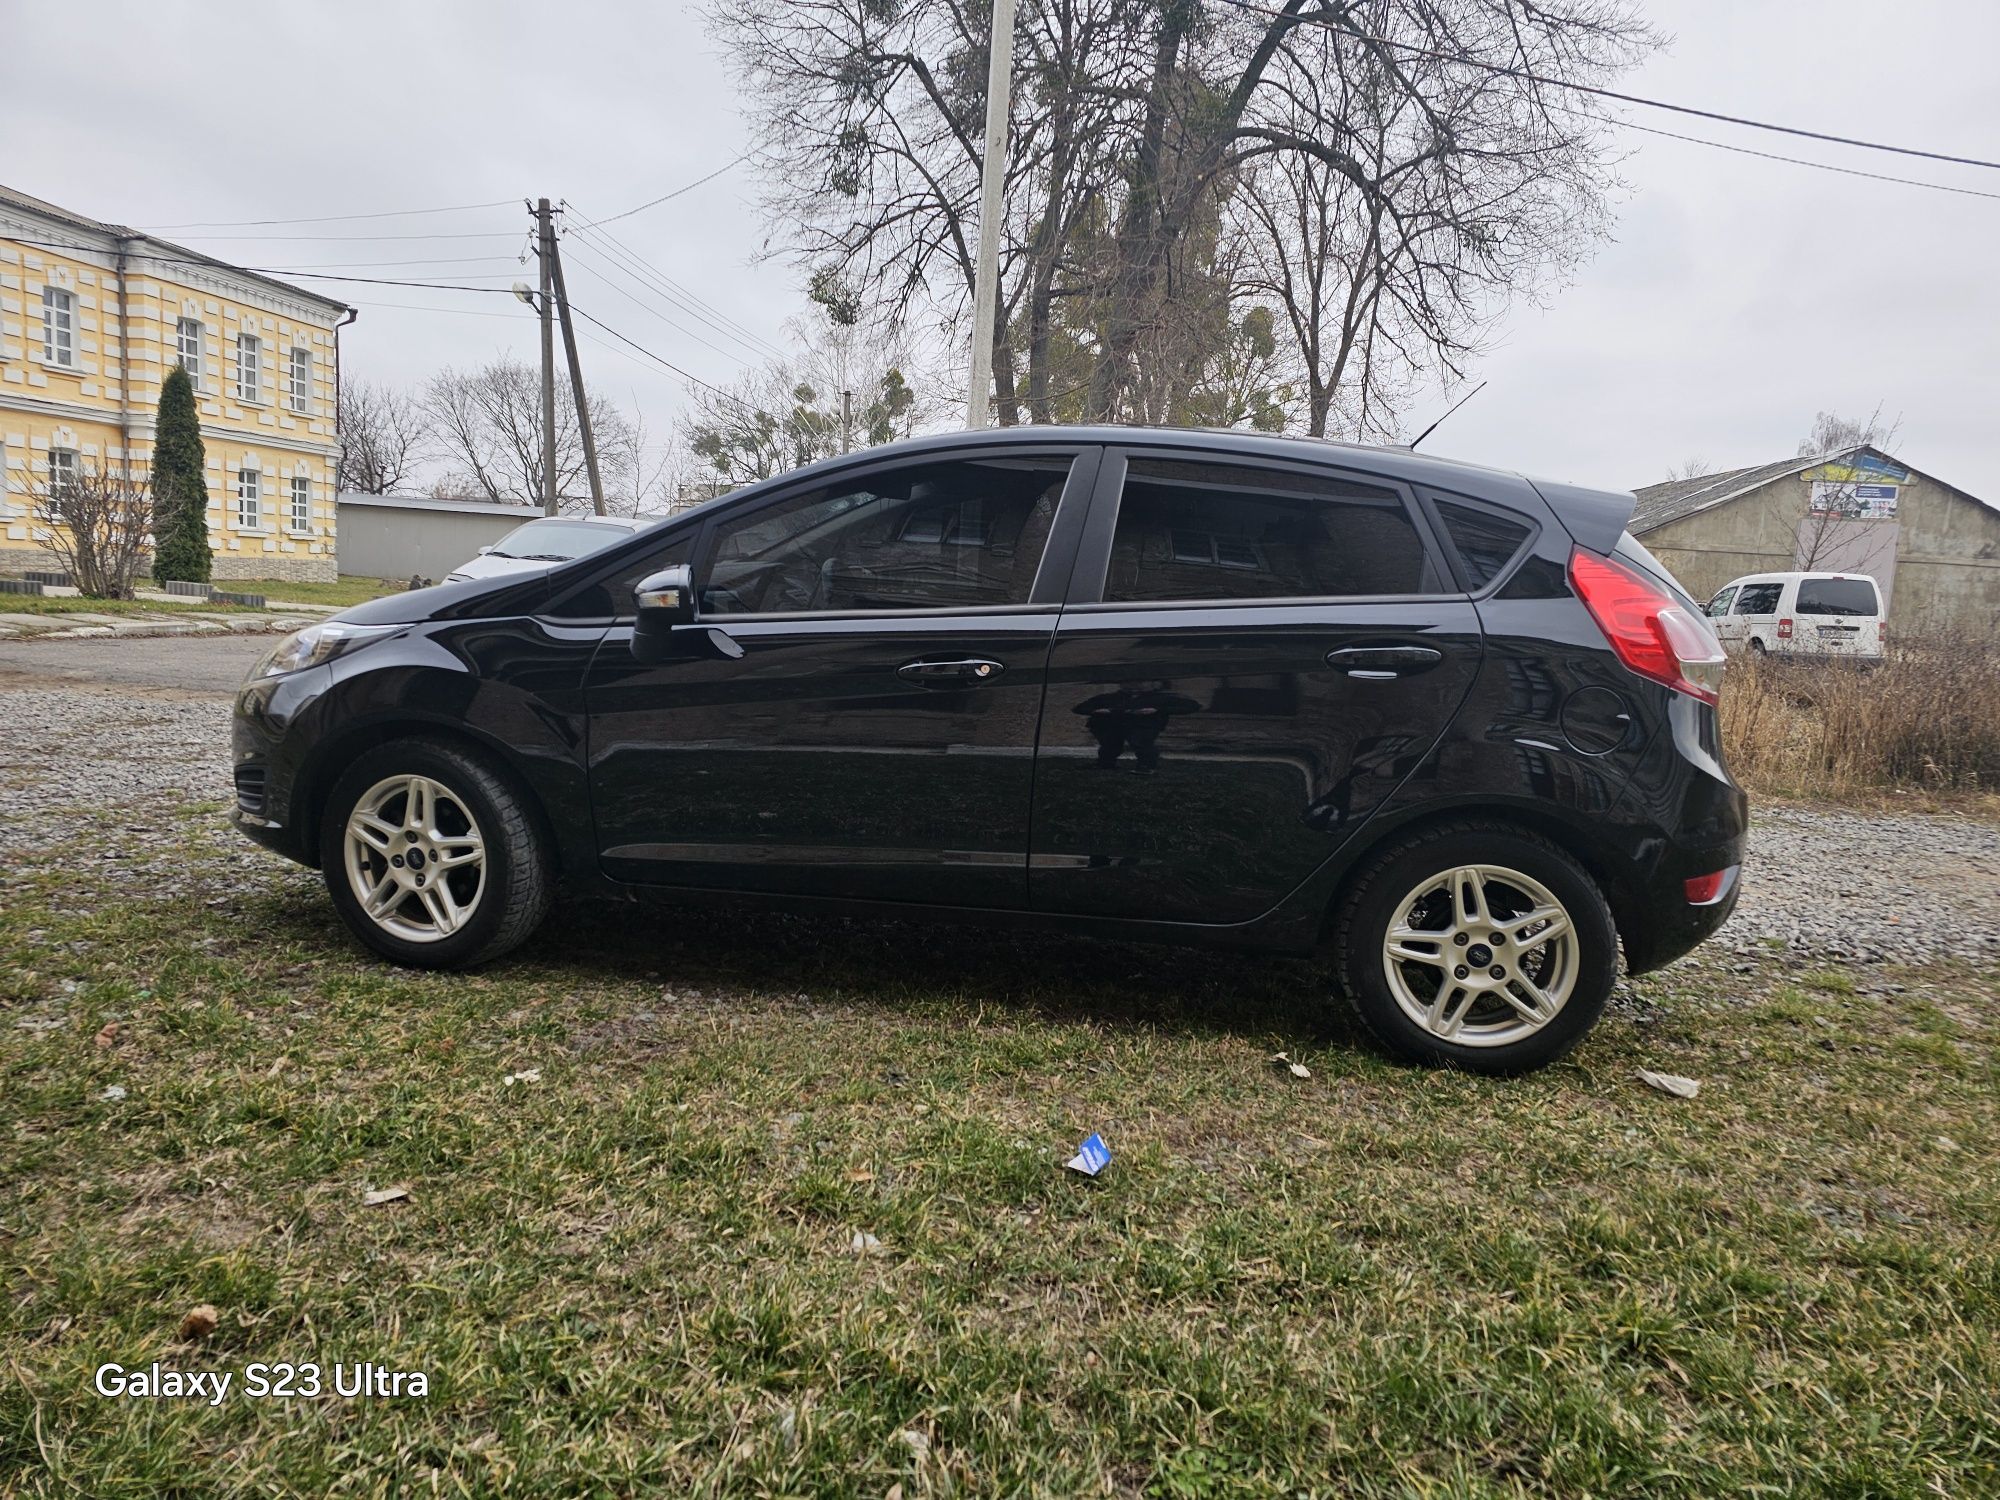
[
  {"x": 1836, "y": 596},
  {"x": 1486, "y": 540}
]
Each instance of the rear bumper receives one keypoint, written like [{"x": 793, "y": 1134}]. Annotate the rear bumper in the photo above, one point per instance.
[{"x": 1669, "y": 925}]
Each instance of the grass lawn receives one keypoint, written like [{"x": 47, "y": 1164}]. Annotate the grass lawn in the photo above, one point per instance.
[
  {"x": 349, "y": 590},
  {"x": 634, "y": 1273},
  {"x": 32, "y": 604}
]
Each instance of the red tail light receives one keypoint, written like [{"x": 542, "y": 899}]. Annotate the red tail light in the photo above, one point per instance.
[
  {"x": 1652, "y": 634},
  {"x": 1784, "y": 630}
]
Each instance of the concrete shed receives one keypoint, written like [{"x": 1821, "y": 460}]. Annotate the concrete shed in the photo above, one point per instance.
[
  {"x": 1933, "y": 548},
  {"x": 394, "y": 536}
]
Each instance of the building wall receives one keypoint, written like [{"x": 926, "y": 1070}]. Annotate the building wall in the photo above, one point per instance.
[
  {"x": 86, "y": 408},
  {"x": 1947, "y": 572},
  {"x": 382, "y": 538}
]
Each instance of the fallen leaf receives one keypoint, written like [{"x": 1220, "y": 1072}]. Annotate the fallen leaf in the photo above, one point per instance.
[
  {"x": 526, "y": 1075},
  {"x": 861, "y": 1174},
  {"x": 109, "y": 1035},
  {"x": 200, "y": 1321},
  {"x": 916, "y": 1442},
  {"x": 1670, "y": 1083},
  {"x": 864, "y": 1243},
  {"x": 384, "y": 1195},
  {"x": 113, "y": 1091},
  {"x": 1297, "y": 1070}
]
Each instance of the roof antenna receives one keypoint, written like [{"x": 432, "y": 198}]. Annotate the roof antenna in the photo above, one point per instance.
[{"x": 1447, "y": 412}]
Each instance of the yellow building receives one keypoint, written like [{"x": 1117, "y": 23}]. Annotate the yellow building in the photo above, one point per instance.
[{"x": 93, "y": 315}]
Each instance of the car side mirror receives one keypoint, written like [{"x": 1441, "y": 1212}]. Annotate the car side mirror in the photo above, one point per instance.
[
  {"x": 662, "y": 601},
  {"x": 486, "y": 549}
]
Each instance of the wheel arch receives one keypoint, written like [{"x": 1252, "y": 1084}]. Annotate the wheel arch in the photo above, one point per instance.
[
  {"x": 1565, "y": 832},
  {"x": 337, "y": 751}
]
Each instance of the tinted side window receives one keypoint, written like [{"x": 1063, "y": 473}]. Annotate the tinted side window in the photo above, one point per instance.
[
  {"x": 1193, "y": 530},
  {"x": 1759, "y": 599},
  {"x": 1486, "y": 539},
  {"x": 947, "y": 535},
  {"x": 611, "y": 598},
  {"x": 1836, "y": 596}
]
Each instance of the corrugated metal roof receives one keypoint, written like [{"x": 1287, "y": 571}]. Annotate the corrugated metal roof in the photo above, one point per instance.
[
  {"x": 466, "y": 506},
  {"x": 1661, "y": 503}
]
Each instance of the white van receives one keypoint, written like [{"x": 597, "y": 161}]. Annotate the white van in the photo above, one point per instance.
[{"x": 1800, "y": 614}]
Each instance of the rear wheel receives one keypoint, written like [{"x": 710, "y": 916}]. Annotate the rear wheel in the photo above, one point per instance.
[
  {"x": 1757, "y": 647},
  {"x": 1477, "y": 946},
  {"x": 431, "y": 856}
]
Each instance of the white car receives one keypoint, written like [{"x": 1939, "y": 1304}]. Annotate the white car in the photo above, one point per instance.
[
  {"x": 544, "y": 543},
  {"x": 1800, "y": 614}
]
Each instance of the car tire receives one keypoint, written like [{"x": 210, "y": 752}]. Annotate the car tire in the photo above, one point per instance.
[
  {"x": 1527, "y": 1000},
  {"x": 432, "y": 857},
  {"x": 1757, "y": 647}
]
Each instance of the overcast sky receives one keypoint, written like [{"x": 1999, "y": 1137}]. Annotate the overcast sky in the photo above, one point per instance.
[{"x": 1739, "y": 296}]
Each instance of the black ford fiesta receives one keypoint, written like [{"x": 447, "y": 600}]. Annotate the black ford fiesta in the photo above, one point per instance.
[{"x": 1450, "y": 726}]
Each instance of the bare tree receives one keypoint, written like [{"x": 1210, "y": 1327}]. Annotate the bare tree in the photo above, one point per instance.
[
  {"x": 1690, "y": 468},
  {"x": 1464, "y": 178},
  {"x": 383, "y": 437},
  {"x": 1832, "y": 522},
  {"x": 1833, "y": 433},
  {"x": 487, "y": 425},
  {"x": 99, "y": 524}
]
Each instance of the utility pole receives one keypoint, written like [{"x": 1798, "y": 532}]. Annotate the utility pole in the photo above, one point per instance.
[
  {"x": 546, "y": 251},
  {"x": 992, "y": 177},
  {"x": 576, "y": 384},
  {"x": 846, "y": 421}
]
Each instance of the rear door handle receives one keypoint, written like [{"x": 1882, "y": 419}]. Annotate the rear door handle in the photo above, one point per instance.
[
  {"x": 966, "y": 672},
  {"x": 1375, "y": 662}
]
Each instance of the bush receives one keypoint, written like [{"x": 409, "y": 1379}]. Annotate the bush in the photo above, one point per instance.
[{"x": 1928, "y": 716}]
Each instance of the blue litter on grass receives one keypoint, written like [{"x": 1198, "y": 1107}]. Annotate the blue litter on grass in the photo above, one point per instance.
[{"x": 1092, "y": 1157}]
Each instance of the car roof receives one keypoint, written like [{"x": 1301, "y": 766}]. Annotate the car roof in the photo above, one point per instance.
[
  {"x": 1790, "y": 577},
  {"x": 1596, "y": 517}
]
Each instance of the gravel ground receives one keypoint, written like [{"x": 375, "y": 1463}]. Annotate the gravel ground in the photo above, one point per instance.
[{"x": 1824, "y": 884}]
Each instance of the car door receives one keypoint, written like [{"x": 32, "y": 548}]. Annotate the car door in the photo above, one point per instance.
[
  {"x": 1255, "y": 655},
  {"x": 1754, "y": 615},
  {"x": 856, "y": 710},
  {"x": 1728, "y": 629}
]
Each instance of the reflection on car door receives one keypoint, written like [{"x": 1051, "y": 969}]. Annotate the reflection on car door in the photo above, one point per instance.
[
  {"x": 1254, "y": 658},
  {"x": 875, "y": 738},
  {"x": 1728, "y": 629}
]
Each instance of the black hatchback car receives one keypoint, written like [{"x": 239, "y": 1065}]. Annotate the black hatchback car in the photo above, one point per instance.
[{"x": 1451, "y": 726}]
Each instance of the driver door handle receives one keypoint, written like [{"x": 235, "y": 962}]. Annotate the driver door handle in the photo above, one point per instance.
[
  {"x": 1383, "y": 661},
  {"x": 966, "y": 672}
]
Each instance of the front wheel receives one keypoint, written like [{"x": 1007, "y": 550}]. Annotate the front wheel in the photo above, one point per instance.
[
  {"x": 1477, "y": 946},
  {"x": 432, "y": 857}
]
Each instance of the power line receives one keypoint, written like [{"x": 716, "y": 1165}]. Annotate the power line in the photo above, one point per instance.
[
  {"x": 392, "y": 213},
  {"x": 212, "y": 263},
  {"x": 666, "y": 197},
  {"x": 1527, "y": 76},
  {"x": 589, "y": 268},
  {"x": 677, "y": 295},
  {"x": 476, "y": 235},
  {"x": 692, "y": 379},
  {"x": 1797, "y": 161}
]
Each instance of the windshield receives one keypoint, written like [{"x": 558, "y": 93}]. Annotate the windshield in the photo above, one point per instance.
[
  {"x": 1837, "y": 596},
  {"x": 555, "y": 541}
]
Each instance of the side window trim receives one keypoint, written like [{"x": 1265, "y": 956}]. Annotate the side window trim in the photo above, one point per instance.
[
  {"x": 1092, "y": 569},
  {"x": 1043, "y": 593}
]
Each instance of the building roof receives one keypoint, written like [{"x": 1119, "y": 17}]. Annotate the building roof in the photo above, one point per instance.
[
  {"x": 460, "y": 505},
  {"x": 172, "y": 253},
  {"x": 1662, "y": 503}
]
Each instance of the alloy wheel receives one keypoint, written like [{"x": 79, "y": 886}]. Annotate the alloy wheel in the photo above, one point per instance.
[
  {"x": 1481, "y": 956},
  {"x": 416, "y": 860}
]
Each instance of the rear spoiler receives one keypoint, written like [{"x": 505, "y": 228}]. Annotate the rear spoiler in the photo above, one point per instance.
[{"x": 1594, "y": 519}]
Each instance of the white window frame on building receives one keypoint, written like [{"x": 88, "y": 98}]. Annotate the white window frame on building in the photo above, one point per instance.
[
  {"x": 249, "y": 499},
  {"x": 249, "y": 367},
  {"x": 187, "y": 348},
  {"x": 301, "y": 503},
  {"x": 59, "y": 327},
  {"x": 301, "y": 378},
  {"x": 65, "y": 464}
]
